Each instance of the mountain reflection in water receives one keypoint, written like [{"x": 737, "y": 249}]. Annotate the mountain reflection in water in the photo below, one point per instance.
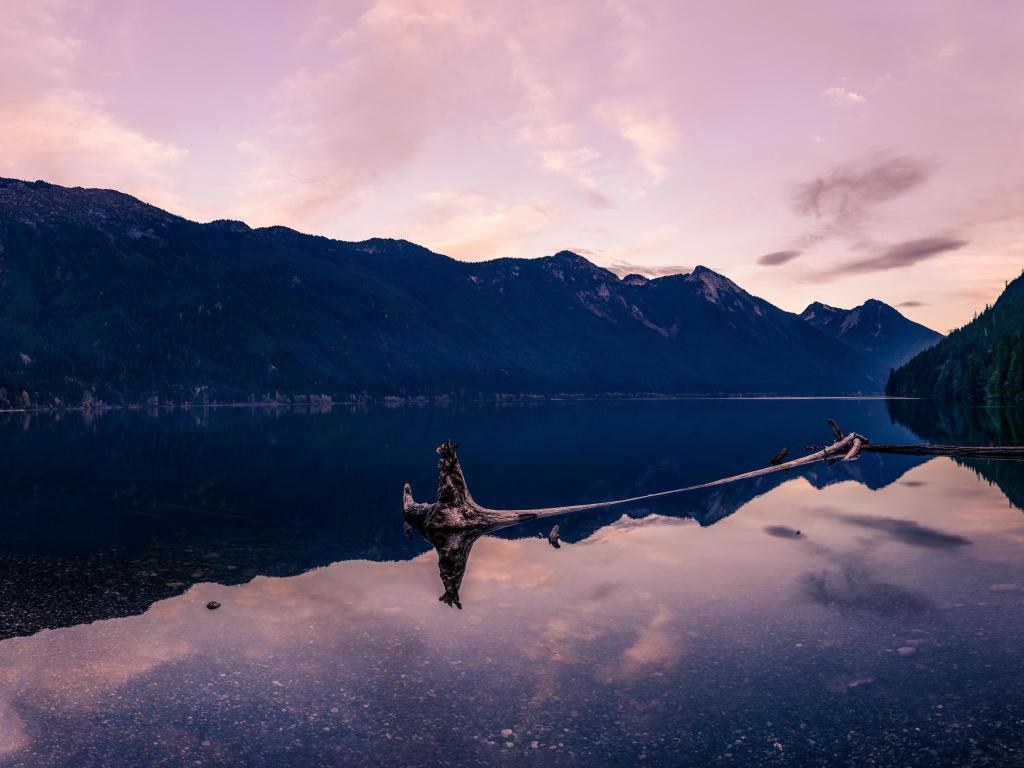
[
  {"x": 104, "y": 515},
  {"x": 894, "y": 616}
]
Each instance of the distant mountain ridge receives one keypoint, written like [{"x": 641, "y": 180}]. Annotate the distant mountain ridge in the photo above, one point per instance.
[
  {"x": 874, "y": 329},
  {"x": 983, "y": 360},
  {"x": 103, "y": 297}
]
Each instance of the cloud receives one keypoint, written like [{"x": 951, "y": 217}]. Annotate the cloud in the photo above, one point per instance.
[
  {"x": 652, "y": 136},
  {"x": 776, "y": 258},
  {"x": 661, "y": 242},
  {"x": 53, "y": 128},
  {"x": 842, "y": 97},
  {"x": 411, "y": 81},
  {"x": 655, "y": 645},
  {"x": 550, "y": 136},
  {"x": 473, "y": 227},
  {"x": 911, "y": 304},
  {"x": 843, "y": 198},
  {"x": 898, "y": 256},
  {"x": 65, "y": 138},
  {"x": 783, "y": 532},
  {"x": 597, "y": 199},
  {"x": 854, "y": 588},
  {"x": 565, "y": 160},
  {"x": 623, "y": 268},
  {"x": 844, "y": 201},
  {"x": 907, "y": 531},
  {"x": 338, "y": 130}
]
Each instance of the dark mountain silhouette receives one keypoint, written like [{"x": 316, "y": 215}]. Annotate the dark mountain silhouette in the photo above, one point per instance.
[
  {"x": 103, "y": 297},
  {"x": 874, "y": 329},
  {"x": 983, "y": 360}
]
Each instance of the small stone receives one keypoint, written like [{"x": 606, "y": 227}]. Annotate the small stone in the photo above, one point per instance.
[
  {"x": 534, "y": 745},
  {"x": 906, "y": 650},
  {"x": 507, "y": 733},
  {"x": 1004, "y": 587},
  {"x": 213, "y": 605}
]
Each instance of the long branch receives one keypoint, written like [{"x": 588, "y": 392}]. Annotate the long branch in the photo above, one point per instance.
[
  {"x": 455, "y": 508},
  {"x": 963, "y": 451},
  {"x": 839, "y": 448}
]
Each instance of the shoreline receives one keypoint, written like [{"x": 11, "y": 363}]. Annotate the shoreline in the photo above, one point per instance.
[{"x": 420, "y": 401}]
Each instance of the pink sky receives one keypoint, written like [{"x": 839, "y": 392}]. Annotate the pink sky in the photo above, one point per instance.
[{"x": 809, "y": 150}]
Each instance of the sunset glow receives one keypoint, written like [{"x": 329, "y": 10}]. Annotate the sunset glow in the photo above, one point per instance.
[{"x": 810, "y": 151}]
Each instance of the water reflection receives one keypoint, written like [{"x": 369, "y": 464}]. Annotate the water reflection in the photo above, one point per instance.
[
  {"x": 906, "y": 531},
  {"x": 956, "y": 423},
  {"x": 452, "y": 549},
  {"x": 104, "y": 514},
  {"x": 651, "y": 640}
]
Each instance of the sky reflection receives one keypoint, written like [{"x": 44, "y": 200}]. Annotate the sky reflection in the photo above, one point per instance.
[{"x": 622, "y": 645}]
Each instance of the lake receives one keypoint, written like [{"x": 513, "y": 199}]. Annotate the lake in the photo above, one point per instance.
[{"x": 858, "y": 613}]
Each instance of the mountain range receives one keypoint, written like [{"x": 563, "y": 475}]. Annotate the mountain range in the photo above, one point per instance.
[
  {"x": 104, "y": 298},
  {"x": 874, "y": 329}
]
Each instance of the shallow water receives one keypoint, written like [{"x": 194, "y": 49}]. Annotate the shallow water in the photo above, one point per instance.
[{"x": 854, "y": 614}]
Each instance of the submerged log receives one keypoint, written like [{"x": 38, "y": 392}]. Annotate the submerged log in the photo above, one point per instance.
[
  {"x": 455, "y": 521},
  {"x": 958, "y": 451},
  {"x": 456, "y": 510}
]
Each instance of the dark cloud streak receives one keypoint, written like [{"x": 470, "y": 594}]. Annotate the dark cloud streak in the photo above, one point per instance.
[
  {"x": 777, "y": 258},
  {"x": 854, "y": 588},
  {"x": 843, "y": 197},
  {"x": 907, "y": 531},
  {"x": 901, "y": 255},
  {"x": 897, "y": 256}
]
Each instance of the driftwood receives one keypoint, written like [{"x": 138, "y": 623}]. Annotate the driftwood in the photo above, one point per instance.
[
  {"x": 455, "y": 521},
  {"x": 456, "y": 510},
  {"x": 958, "y": 451}
]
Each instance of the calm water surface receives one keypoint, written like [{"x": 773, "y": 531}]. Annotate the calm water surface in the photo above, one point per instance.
[{"x": 855, "y": 614}]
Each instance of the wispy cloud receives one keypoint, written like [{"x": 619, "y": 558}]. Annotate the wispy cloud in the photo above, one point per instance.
[
  {"x": 54, "y": 128},
  {"x": 339, "y": 129},
  {"x": 623, "y": 268},
  {"x": 844, "y": 198},
  {"x": 854, "y": 587},
  {"x": 473, "y": 227},
  {"x": 903, "y": 255},
  {"x": 777, "y": 258},
  {"x": 907, "y": 531},
  {"x": 843, "y": 97},
  {"x": 846, "y": 202},
  {"x": 653, "y": 136},
  {"x": 897, "y": 256},
  {"x": 911, "y": 304}
]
